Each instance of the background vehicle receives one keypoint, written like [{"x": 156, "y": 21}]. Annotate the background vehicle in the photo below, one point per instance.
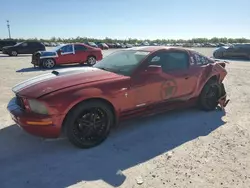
[
  {"x": 4, "y": 43},
  {"x": 111, "y": 45},
  {"x": 233, "y": 51},
  {"x": 103, "y": 46},
  {"x": 28, "y": 47},
  {"x": 128, "y": 45},
  {"x": 87, "y": 102},
  {"x": 92, "y": 44},
  {"x": 67, "y": 54},
  {"x": 118, "y": 45}
]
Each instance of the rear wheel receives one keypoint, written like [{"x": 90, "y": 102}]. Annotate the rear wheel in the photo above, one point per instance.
[
  {"x": 89, "y": 124},
  {"x": 91, "y": 60},
  {"x": 209, "y": 96},
  {"x": 49, "y": 63}
]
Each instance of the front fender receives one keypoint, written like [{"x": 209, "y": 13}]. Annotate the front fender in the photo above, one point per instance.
[{"x": 60, "y": 102}]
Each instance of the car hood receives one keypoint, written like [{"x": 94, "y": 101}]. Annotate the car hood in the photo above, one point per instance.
[
  {"x": 60, "y": 79},
  {"x": 6, "y": 47},
  {"x": 45, "y": 54},
  {"x": 222, "y": 48}
]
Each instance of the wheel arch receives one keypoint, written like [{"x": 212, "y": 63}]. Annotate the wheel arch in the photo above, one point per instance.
[
  {"x": 91, "y": 55},
  {"x": 214, "y": 78},
  {"x": 98, "y": 99},
  {"x": 46, "y": 58}
]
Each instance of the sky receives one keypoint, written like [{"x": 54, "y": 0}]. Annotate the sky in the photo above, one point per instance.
[{"x": 123, "y": 19}]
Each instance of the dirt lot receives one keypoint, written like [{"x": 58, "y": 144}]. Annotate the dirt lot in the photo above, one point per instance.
[{"x": 179, "y": 149}]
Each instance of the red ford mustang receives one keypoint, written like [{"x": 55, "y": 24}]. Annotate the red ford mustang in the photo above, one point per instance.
[
  {"x": 85, "y": 103},
  {"x": 67, "y": 54}
]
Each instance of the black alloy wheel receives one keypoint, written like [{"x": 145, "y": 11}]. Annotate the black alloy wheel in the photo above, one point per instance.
[
  {"x": 89, "y": 124},
  {"x": 209, "y": 96}
]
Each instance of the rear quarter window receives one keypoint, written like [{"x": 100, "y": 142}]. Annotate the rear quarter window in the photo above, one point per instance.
[{"x": 200, "y": 59}]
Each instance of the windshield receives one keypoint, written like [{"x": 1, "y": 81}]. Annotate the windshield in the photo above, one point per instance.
[
  {"x": 57, "y": 48},
  {"x": 17, "y": 44},
  {"x": 122, "y": 62}
]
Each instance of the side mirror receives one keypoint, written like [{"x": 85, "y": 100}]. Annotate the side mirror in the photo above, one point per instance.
[
  {"x": 153, "y": 69},
  {"x": 60, "y": 51}
]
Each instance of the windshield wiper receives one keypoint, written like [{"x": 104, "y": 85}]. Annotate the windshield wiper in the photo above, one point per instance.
[
  {"x": 102, "y": 68},
  {"x": 111, "y": 70}
]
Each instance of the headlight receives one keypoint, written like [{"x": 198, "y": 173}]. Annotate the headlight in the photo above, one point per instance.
[{"x": 37, "y": 107}]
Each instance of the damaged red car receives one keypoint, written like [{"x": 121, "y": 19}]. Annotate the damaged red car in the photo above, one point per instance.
[
  {"x": 86, "y": 103},
  {"x": 67, "y": 54}
]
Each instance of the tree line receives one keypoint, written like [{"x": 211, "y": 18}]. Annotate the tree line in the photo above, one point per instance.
[{"x": 133, "y": 41}]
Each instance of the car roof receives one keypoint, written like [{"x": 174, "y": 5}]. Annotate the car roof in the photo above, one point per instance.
[{"x": 157, "y": 48}]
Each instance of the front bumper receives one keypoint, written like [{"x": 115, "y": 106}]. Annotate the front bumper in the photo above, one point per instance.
[
  {"x": 47, "y": 126},
  {"x": 4, "y": 51},
  {"x": 35, "y": 59},
  {"x": 36, "y": 63}
]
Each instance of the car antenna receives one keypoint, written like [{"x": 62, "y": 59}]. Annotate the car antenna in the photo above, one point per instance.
[{"x": 55, "y": 72}]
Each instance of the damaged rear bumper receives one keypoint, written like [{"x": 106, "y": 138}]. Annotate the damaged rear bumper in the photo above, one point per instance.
[{"x": 223, "y": 101}]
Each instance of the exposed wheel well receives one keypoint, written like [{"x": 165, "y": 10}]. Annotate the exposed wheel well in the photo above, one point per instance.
[
  {"x": 214, "y": 78},
  {"x": 93, "y": 99},
  {"x": 91, "y": 56}
]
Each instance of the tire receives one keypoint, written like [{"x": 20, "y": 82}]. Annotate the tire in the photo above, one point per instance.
[
  {"x": 218, "y": 55},
  {"x": 49, "y": 63},
  {"x": 84, "y": 134},
  {"x": 13, "y": 53},
  {"x": 91, "y": 60},
  {"x": 209, "y": 96}
]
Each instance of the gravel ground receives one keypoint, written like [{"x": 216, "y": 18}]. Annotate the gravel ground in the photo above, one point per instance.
[{"x": 187, "y": 148}]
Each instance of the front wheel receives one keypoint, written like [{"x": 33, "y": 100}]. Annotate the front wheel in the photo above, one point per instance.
[
  {"x": 49, "y": 63},
  {"x": 89, "y": 124},
  {"x": 13, "y": 53},
  {"x": 218, "y": 55},
  {"x": 91, "y": 60},
  {"x": 209, "y": 96}
]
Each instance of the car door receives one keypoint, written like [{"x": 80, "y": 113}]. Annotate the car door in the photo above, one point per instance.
[
  {"x": 243, "y": 51},
  {"x": 173, "y": 82},
  {"x": 246, "y": 51},
  {"x": 66, "y": 54},
  {"x": 81, "y": 53},
  {"x": 37, "y": 46},
  {"x": 32, "y": 47},
  {"x": 232, "y": 51},
  {"x": 23, "y": 48}
]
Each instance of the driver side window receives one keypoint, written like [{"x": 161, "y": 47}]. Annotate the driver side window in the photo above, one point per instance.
[
  {"x": 24, "y": 44},
  {"x": 67, "y": 49},
  {"x": 171, "y": 61}
]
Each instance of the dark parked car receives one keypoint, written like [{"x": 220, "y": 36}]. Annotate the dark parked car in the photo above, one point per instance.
[
  {"x": 103, "y": 46},
  {"x": 111, "y": 45},
  {"x": 233, "y": 51},
  {"x": 28, "y": 47},
  {"x": 4, "y": 43},
  {"x": 118, "y": 45},
  {"x": 92, "y": 44}
]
